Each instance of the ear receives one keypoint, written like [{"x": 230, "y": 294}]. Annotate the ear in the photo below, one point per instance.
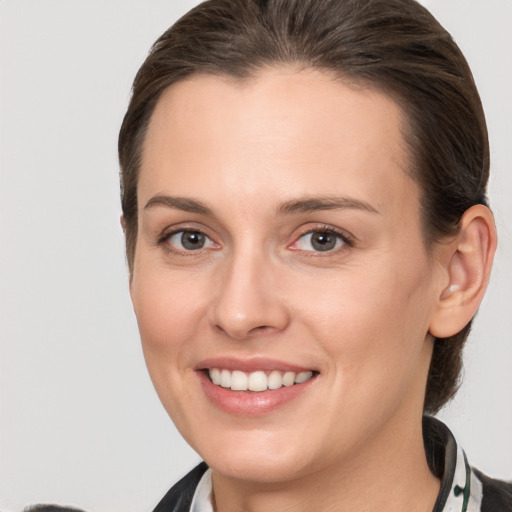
[
  {"x": 468, "y": 267},
  {"x": 123, "y": 223}
]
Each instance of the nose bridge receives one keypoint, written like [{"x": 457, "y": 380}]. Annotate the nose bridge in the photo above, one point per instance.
[{"x": 247, "y": 299}]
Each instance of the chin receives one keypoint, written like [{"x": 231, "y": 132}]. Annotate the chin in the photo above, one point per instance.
[
  {"x": 269, "y": 470},
  {"x": 256, "y": 456}
]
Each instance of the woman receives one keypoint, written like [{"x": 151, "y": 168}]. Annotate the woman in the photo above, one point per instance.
[{"x": 307, "y": 231}]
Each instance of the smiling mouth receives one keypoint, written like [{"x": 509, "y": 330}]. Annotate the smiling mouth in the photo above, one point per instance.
[{"x": 257, "y": 381}]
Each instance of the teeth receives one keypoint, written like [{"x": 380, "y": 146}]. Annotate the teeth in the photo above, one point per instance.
[
  {"x": 257, "y": 381},
  {"x": 288, "y": 379},
  {"x": 215, "y": 376},
  {"x": 303, "y": 377},
  {"x": 225, "y": 378},
  {"x": 275, "y": 380},
  {"x": 238, "y": 381}
]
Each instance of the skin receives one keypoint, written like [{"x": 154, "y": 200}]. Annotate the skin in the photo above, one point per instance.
[{"x": 359, "y": 315}]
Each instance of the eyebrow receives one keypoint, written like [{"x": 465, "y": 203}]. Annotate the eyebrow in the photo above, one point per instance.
[
  {"x": 310, "y": 204},
  {"x": 179, "y": 203},
  {"x": 302, "y": 205}
]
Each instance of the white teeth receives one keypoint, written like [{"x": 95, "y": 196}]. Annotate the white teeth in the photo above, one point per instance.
[
  {"x": 275, "y": 380},
  {"x": 289, "y": 379},
  {"x": 257, "y": 381},
  {"x": 303, "y": 377},
  {"x": 215, "y": 376},
  {"x": 238, "y": 381},
  {"x": 225, "y": 378}
]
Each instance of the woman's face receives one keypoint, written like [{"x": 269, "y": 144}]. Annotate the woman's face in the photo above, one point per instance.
[{"x": 279, "y": 234}]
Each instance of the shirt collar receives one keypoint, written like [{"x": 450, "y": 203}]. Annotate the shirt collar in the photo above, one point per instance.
[
  {"x": 202, "y": 501},
  {"x": 460, "y": 490}
]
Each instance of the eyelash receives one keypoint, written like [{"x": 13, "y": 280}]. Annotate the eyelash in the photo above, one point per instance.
[
  {"x": 164, "y": 241},
  {"x": 347, "y": 240}
]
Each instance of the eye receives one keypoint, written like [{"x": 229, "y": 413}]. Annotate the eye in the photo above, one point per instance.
[
  {"x": 319, "y": 241},
  {"x": 189, "y": 240}
]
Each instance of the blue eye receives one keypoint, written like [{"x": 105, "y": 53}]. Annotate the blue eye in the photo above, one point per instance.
[
  {"x": 189, "y": 240},
  {"x": 320, "y": 241}
]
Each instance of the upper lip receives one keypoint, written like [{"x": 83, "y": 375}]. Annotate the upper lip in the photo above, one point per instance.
[{"x": 250, "y": 364}]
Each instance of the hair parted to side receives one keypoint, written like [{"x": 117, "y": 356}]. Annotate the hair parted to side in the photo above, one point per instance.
[{"x": 392, "y": 45}]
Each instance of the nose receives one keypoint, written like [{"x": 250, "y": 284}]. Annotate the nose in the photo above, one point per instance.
[{"x": 248, "y": 299}]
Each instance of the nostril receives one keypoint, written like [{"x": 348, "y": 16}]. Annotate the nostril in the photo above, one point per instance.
[{"x": 261, "y": 328}]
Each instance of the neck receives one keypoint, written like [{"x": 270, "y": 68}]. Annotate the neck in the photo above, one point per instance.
[{"x": 389, "y": 472}]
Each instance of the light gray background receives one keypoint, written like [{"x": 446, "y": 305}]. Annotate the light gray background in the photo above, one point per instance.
[{"x": 80, "y": 422}]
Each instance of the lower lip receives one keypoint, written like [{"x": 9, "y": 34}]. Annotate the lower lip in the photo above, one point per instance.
[{"x": 249, "y": 403}]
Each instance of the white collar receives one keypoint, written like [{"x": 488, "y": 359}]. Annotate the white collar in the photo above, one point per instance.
[
  {"x": 202, "y": 501},
  {"x": 466, "y": 489}
]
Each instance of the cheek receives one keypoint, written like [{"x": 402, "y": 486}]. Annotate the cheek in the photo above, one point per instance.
[
  {"x": 161, "y": 301},
  {"x": 371, "y": 323},
  {"x": 169, "y": 313},
  {"x": 366, "y": 301}
]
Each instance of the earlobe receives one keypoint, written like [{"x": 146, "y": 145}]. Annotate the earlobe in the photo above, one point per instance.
[{"x": 468, "y": 267}]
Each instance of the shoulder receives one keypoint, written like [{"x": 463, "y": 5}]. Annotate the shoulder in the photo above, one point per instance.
[
  {"x": 497, "y": 494},
  {"x": 179, "y": 497}
]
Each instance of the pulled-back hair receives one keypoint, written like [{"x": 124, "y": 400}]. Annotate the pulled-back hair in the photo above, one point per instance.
[{"x": 395, "y": 46}]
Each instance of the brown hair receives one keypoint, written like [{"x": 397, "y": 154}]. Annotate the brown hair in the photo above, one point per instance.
[{"x": 392, "y": 45}]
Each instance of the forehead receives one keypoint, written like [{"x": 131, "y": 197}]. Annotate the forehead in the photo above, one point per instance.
[{"x": 293, "y": 131}]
